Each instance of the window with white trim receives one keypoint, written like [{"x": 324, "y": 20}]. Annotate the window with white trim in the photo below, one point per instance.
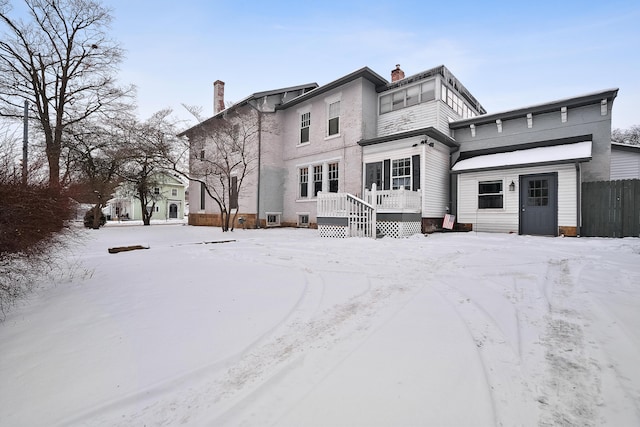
[
  {"x": 174, "y": 192},
  {"x": 317, "y": 180},
  {"x": 455, "y": 102},
  {"x": 490, "y": 195},
  {"x": 407, "y": 97},
  {"x": 303, "y": 220},
  {"x": 304, "y": 182},
  {"x": 333, "y": 123},
  {"x": 401, "y": 173},
  {"x": 305, "y": 124},
  {"x": 273, "y": 219},
  {"x": 333, "y": 177},
  {"x": 156, "y": 190}
]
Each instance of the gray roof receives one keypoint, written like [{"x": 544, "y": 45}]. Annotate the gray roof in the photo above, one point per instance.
[
  {"x": 625, "y": 147},
  {"x": 573, "y": 102},
  {"x": 428, "y": 131},
  {"x": 364, "y": 72},
  {"x": 254, "y": 96}
]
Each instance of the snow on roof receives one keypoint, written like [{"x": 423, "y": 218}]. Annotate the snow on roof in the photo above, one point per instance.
[{"x": 554, "y": 154}]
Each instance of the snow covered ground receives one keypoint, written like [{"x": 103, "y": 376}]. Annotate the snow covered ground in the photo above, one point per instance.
[{"x": 281, "y": 327}]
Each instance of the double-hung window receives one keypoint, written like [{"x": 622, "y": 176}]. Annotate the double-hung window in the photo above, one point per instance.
[
  {"x": 490, "y": 195},
  {"x": 317, "y": 180},
  {"x": 401, "y": 173},
  {"x": 333, "y": 123},
  {"x": 333, "y": 177},
  {"x": 304, "y": 182},
  {"x": 305, "y": 124}
]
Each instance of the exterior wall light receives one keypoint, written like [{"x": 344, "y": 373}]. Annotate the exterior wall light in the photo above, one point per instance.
[{"x": 512, "y": 186}]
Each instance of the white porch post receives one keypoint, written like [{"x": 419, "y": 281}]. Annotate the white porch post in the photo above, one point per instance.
[
  {"x": 310, "y": 181},
  {"x": 325, "y": 176},
  {"x": 374, "y": 217}
]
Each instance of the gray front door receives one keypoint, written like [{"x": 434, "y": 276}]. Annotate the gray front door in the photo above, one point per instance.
[{"x": 539, "y": 204}]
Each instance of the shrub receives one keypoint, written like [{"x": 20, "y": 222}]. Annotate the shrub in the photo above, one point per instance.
[
  {"x": 31, "y": 220},
  {"x": 88, "y": 219}
]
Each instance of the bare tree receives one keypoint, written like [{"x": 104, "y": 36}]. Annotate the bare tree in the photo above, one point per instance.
[
  {"x": 63, "y": 63},
  {"x": 221, "y": 153},
  {"x": 144, "y": 163},
  {"x": 95, "y": 156},
  {"x": 629, "y": 136}
]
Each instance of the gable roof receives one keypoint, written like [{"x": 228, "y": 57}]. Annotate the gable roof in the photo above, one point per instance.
[
  {"x": 364, "y": 72},
  {"x": 573, "y": 102},
  {"x": 246, "y": 100}
]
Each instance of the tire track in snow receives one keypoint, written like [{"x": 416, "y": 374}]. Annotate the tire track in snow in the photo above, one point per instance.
[
  {"x": 614, "y": 344},
  {"x": 572, "y": 385},
  {"x": 259, "y": 364},
  {"x": 300, "y": 312},
  {"x": 507, "y": 388}
]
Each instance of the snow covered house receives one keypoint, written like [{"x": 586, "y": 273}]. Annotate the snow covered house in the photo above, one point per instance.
[
  {"x": 169, "y": 197},
  {"x": 520, "y": 171},
  {"x": 408, "y": 151}
]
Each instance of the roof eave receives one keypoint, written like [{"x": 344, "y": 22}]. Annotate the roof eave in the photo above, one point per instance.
[
  {"x": 523, "y": 165},
  {"x": 364, "y": 72},
  {"x": 428, "y": 131},
  {"x": 548, "y": 107}
]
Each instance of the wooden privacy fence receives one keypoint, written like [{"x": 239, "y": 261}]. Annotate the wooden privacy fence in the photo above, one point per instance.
[{"x": 611, "y": 208}]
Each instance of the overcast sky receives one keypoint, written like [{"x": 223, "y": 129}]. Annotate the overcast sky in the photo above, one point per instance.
[{"x": 508, "y": 54}]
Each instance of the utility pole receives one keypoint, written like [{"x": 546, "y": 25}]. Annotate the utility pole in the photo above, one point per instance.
[{"x": 25, "y": 141}]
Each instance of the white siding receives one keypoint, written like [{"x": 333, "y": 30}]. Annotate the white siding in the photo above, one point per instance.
[
  {"x": 506, "y": 220},
  {"x": 415, "y": 117},
  {"x": 435, "y": 181},
  {"x": 625, "y": 164}
]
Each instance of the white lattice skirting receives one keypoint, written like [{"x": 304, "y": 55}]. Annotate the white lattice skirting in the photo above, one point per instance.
[
  {"x": 395, "y": 229},
  {"x": 398, "y": 229},
  {"x": 337, "y": 231}
]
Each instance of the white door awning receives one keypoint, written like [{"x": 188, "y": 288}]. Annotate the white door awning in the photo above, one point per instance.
[{"x": 577, "y": 152}]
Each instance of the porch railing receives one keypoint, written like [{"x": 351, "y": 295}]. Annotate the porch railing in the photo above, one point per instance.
[
  {"x": 345, "y": 215},
  {"x": 394, "y": 200}
]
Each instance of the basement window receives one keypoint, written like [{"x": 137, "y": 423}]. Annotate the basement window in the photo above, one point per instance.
[
  {"x": 303, "y": 220},
  {"x": 273, "y": 219}
]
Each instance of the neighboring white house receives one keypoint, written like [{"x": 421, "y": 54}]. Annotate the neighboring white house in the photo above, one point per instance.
[
  {"x": 625, "y": 161},
  {"x": 169, "y": 195}
]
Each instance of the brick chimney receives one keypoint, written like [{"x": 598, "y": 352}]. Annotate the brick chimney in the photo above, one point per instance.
[
  {"x": 397, "y": 74},
  {"x": 218, "y": 96}
]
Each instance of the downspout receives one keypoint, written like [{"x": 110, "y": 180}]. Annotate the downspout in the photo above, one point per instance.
[
  {"x": 579, "y": 199},
  {"x": 259, "y": 168},
  {"x": 259, "y": 162}
]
